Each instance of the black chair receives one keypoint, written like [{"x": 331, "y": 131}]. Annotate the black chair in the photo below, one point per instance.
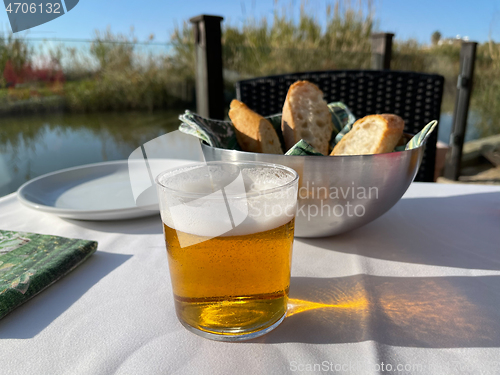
[{"x": 416, "y": 97}]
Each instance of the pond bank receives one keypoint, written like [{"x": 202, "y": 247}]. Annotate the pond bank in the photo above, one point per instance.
[
  {"x": 480, "y": 162},
  {"x": 33, "y": 106}
]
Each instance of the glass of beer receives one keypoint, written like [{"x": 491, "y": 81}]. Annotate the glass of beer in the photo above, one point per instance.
[{"x": 229, "y": 228}]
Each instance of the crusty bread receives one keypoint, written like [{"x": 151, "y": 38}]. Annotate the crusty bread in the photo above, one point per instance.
[
  {"x": 374, "y": 134},
  {"x": 306, "y": 116},
  {"x": 253, "y": 132}
]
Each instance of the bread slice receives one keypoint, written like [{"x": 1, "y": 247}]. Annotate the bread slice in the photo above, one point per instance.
[
  {"x": 306, "y": 116},
  {"x": 374, "y": 134},
  {"x": 253, "y": 132}
]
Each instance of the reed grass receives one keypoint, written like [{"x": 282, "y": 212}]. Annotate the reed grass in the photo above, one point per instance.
[{"x": 115, "y": 74}]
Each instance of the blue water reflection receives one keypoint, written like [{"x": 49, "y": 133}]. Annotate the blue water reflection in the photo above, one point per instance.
[
  {"x": 35, "y": 145},
  {"x": 446, "y": 123}
]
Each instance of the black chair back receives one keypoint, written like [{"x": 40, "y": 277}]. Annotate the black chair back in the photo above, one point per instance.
[{"x": 416, "y": 97}]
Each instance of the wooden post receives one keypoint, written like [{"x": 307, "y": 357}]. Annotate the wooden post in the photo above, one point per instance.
[
  {"x": 464, "y": 89},
  {"x": 381, "y": 50},
  {"x": 208, "y": 54}
]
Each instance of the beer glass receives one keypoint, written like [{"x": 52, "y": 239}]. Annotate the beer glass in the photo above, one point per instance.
[{"x": 229, "y": 228}]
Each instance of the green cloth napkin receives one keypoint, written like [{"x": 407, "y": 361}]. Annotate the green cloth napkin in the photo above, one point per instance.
[
  {"x": 303, "y": 148},
  {"x": 421, "y": 137},
  {"x": 221, "y": 134},
  {"x": 31, "y": 262}
]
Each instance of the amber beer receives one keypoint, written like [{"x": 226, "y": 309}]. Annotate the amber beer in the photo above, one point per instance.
[
  {"x": 231, "y": 284},
  {"x": 229, "y": 233}
]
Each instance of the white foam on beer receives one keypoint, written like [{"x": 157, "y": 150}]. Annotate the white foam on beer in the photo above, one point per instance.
[
  {"x": 198, "y": 180},
  {"x": 261, "y": 179},
  {"x": 252, "y": 205}
]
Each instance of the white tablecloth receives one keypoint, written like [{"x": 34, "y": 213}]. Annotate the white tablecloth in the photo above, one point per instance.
[{"x": 416, "y": 291}]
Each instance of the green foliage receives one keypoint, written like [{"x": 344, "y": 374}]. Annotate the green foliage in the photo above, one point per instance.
[
  {"x": 14, "y": 49},
  {"x": 444, "y": 59},
  {"x": 486, "y": 89},
  {"x": 182, "y": 62},
  {"x": 124, "y": 78},
  {"x": 113, "y": 51},
  {"x": 259, "y": 48}
]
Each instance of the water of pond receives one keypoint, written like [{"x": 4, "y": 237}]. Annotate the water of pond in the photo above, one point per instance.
[
  {"x": 446, "y": 123},
  {"x": 35, "y": 145}
]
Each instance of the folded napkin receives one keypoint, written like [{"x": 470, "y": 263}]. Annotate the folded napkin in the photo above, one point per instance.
[
  {"x": 221, "y": 134},
  {"x": 303, "y": 148},
  {"x": 31, "y": 262}
]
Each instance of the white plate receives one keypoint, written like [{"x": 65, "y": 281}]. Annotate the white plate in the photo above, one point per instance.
[{"x": 100, "y": 191}]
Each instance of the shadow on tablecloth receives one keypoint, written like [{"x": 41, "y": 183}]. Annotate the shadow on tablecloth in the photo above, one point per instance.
[
  {"x": 460, "y": 231},
  {"x": 427, "y": 312},
  {"x": 31, "y": 318},
  {"x": 146, "y": 225}
]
